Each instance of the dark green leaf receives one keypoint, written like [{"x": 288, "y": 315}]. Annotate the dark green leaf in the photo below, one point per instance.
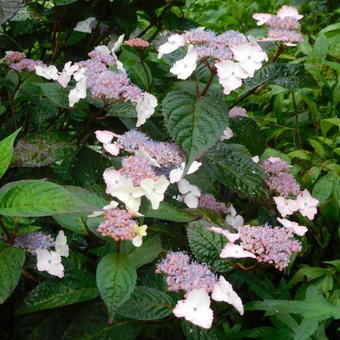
[
  {"x": 116, "y": 280},
  {"x": 8, "y": 8},
  {"x": 11, "y": 262}
]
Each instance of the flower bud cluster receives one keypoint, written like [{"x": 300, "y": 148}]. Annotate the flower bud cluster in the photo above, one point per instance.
[
  {"x": 283, "y": 25},
  {"x": 34, "y": 240},
  {"x": 210, "y": 202}
]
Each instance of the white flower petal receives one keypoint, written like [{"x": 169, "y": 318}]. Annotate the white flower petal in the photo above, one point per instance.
[
  {"x": 234, "y": 250},
  {"x": 61, "y": 246}
]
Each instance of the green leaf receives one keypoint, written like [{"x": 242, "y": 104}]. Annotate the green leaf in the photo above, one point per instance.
[
  {"x": 55, "y": 93},
  {"x": 91, "y": 324},
  {"x": 116, "y": 280},
  {"x": 194, "y": 123},
  {"x": 289, "y": 76},
  {"x": 323, "y": 188},
  {"x": 193, "y": 332},
  {"x": 11, "y": 262},
  {"x": 76, "y": 222},
  {"x": 207, "y": 245},
  {"x": 147, "y": 304},
  {"x": 313, "y": 307},
  {"x": 56, "y": 293},
  {"x": 236, "y": 170},
  {"x": 321, "y": 47},
  {"x": 8, "y": 8},
  {"x": 63, "y": 2},
  {"x": 148, "y": 252},
  {"x": 168, "y": 212},
  {"x": 6, "y": 152},
  {"x": 35, "y": 198},
  {"x": 249, "y": 134}
]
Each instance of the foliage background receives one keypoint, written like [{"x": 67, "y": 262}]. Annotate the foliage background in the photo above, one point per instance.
[{"x": 300, "y": 123}]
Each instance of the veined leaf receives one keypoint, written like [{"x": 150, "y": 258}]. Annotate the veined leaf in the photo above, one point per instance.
[
  {"x": 249, "y": 134},
  {"x": 8, "y": 8},
  {"x": 11, "y": 262},
  {"x": 289, "y": 76},
  {"x": 207, "y": 245},
  {"x": 56, "y": 293},
  {"x": 147, "y": 304},
  {"x": 6, "y": 152},
  {"x": 193, "y": 332},
  {"x": 33, "y": 198},
  {"x": 236, "y": 170},
  {"x": 194, "y": 123},
  {"x": 116, "y": 280}
]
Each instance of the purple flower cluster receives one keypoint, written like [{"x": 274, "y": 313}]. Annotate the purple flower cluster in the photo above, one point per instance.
[
  {"x": 26, "y": 64},
  {"x": 209, "y": 201},
  {"x": 164, "y": 153},
  {"x": 283, "y": 26},
  {"x": 119, "y": 224},
  {"x": 278, "y": 178},
  {"x": 237, "y": 111},
  {"x": 13, "y": 56},
  {"x": 208, "y": 44},
  {"x": 137, "y": 168},
  {"x": 106, "y": 84},
  {"x": 270, "y": 245},
  {"x": 184, "y": 274},
  {"x": 34, "y": 240}
]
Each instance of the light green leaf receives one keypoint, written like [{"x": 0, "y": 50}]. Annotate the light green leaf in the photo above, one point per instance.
[
  {"x": 236, "y": 170},
  {"x": 11, "y": 262},
  {"x": 33, "y": 198},
  {"x": 207, "y": 245},
  {"x": 194, "y": 123},
  {"x": 306, "y": 329},
  {"x": 6, "y": 152},
  {"x": 321, "y": 47},
  {"x": 147, "y": 304},
  {"x": 323, "y": 188},
  {"x": 116, "y": 280},
  {"x": 148, "y": 252}
]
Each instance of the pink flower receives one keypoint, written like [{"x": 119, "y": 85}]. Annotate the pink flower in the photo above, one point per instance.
[
  {"x": 286, "y": 206},
  {"x": 288, "y": 11},
  {"x": 106, "y": 137},
  {"x": 297, "y": 229},
  {"x": 230, "y": 236},
  {"x": 137, "y": 42}
]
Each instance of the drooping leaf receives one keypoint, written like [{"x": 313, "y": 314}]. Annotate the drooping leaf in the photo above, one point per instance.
[
  {"x": 236, "y": 170},
  {"x": 147, "y": 304},
  {"x": 8, "y": 8},
  {"x": 146, "y": 253},
  {"x": 55, "y": 93},
  {"x": 35, "y": 198},
  {"x": 248, "y": 133},
  {"x": 11, "y": 262},
  {"x": 193, "y": 332},
  {"x": 194, "y": 123},
  {"x": 56, "y": 293},
  {"x": 6, "y": 152},
  {"x": 207, "y": 245},
  {"x": 91, "y": 324},
  {"x": 289, "y": 76},
  {"x": 116, "y": 280}
]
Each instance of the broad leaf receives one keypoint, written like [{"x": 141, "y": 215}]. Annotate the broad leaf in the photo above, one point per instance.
[
  {"x": 194, "y": 123},
  {"x": 248, "y": 133},
  {"x": 236, "y": 170},
  {"x": 147, "y": 304},
  {"x": 148, "y": 252},
  {"x": 8, "y": 8},
  {"x": 38, "y": 198},
  {"x": 193, "y": 332},
  {"x": 11, "y": 262},
  {"x": 116, "y": 280},
  {"x": 56, "y": 293},
  {"x": 55, "y": 93},
  {"x": 289, "y": 76},
  {"x": 91, "y": 324},
  {"x": 6, "y": 152},
  {"x": 207, "y": 245}
]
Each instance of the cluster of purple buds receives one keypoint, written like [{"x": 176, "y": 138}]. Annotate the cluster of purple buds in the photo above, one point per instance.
[
  {"x": 210, "y": 202},
  {"x": 278, "y": 177},
  {"x": 270, "y": 245},
  {"x": 118, "y": 224},
  {"x": 184, "y": 274},
  {"x": 237, "y": 111},
  {"x": 34, "y": 240},
  {"x": 283, "y": 26}
]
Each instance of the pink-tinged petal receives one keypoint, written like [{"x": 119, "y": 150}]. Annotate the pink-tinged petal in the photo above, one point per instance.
[
  {"x": 112, "y": 148},
  {"x": 288, "y": 11},
  {"x": 104, "y": 136},
  {"x": 297, "y": 229},
  {"x": 230, "y": 236},
  {"x": 233, "y": 250}
]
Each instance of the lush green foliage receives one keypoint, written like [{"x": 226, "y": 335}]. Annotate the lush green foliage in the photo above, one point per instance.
[{"x": 51, "y": 172}]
